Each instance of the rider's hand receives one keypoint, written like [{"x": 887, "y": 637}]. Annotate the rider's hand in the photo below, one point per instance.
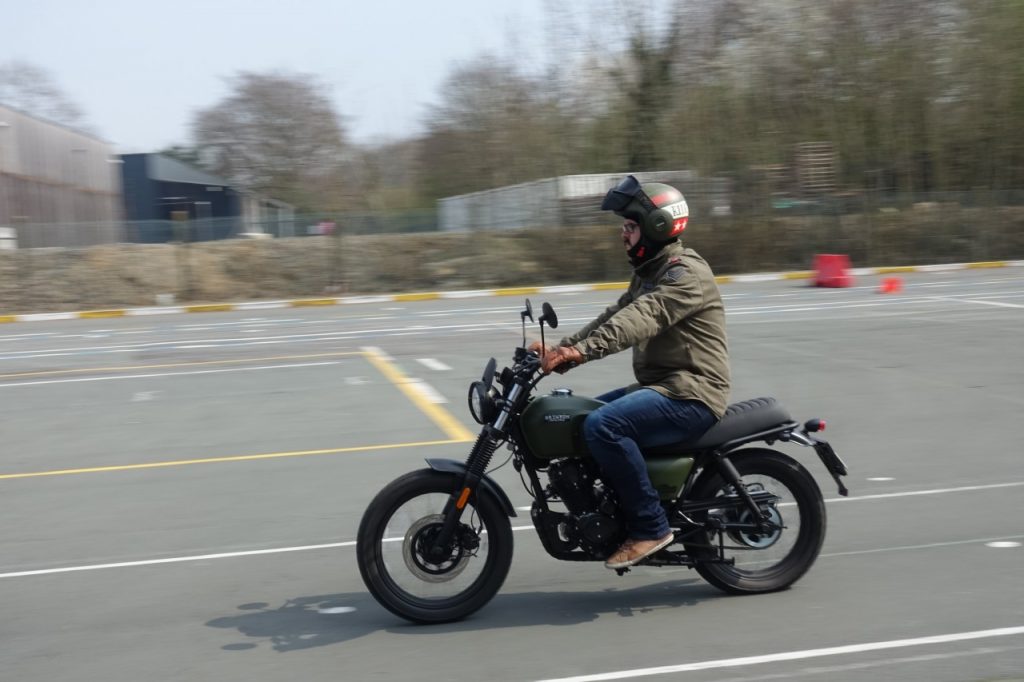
[
  {"x": 557, "y": 359},
  {"x": 540, "y": 349}
]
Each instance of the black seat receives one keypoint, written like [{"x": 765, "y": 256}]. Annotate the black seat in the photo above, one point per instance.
[{"x": 740, "y": 419}]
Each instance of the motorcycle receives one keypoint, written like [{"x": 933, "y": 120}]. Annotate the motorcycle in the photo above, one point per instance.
[{"x": 435, "y": 545}]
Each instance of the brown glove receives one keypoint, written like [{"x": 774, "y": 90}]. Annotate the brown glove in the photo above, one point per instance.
[
  {"x": 560, "y": 358},
  {"x": 540, "y": 349}
]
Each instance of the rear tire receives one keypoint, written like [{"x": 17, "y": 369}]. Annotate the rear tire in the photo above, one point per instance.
[
  {"x": 765, "y": 562},
  {"x": 397, "y": 526}
]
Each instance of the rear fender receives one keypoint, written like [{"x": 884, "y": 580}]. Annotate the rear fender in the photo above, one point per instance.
[{"x": 451, "y": 466}]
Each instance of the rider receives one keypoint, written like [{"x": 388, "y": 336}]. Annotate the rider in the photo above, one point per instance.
[{"x": 672, "y": 317}]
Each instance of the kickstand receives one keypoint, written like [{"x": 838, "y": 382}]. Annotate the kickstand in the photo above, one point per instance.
[{"x": 622, "y": 571}]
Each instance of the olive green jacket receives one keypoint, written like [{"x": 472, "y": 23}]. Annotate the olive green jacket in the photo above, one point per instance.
[{"x": 672, "y": 316}]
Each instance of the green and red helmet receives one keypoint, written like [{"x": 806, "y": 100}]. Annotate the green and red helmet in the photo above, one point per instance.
[{"x": 659, "y": 209}]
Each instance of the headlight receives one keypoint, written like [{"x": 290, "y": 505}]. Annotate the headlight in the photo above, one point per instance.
[
  {"x": 482, "y": 403},
  {"x": 477, "y": 397}
]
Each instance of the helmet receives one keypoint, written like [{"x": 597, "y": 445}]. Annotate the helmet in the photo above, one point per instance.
[{"x": 660, "y": 210}]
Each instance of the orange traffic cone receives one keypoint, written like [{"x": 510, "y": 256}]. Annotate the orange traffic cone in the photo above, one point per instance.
[{"x": 891, "y": 285}]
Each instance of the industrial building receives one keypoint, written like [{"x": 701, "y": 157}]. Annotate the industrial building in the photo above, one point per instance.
[{"x": 58, "y": 186}]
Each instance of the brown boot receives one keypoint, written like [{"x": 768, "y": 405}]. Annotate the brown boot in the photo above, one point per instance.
[{"x": 633, "y": 551}]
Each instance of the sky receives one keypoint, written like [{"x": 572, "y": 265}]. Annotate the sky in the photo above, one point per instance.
[{"x": 140, "y": 69}]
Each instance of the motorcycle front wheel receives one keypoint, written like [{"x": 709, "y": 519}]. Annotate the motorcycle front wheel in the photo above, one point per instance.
[
  {"x": 740, "y": 560},
  {"x": 398, "y": 529}
]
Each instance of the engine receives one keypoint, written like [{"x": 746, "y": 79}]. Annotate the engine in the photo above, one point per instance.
[
  {"x": 593, "y": 521},
  {"x": 572, "y": 480}
]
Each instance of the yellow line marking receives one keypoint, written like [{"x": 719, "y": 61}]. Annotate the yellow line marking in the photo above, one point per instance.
[
  {"x": 723, "y": 279},
  {"x": 127, "y": 368},
  {"x": 305, "y": 302},
  {"x": 210, "y": 308},
  {"x": 233, "y": 458},
  {"x": 516, "y": 291},
  {"x": 8, "y": 318},
  {"x": 437, "y": 414},
  {"x": 797, "y": 275},
  {"x": 421, "y": 296},
  {"x": 987, "y": 264},
  {"x": 606, "y": 286}
]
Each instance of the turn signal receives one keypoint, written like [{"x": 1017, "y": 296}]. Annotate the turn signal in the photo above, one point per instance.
[{"x": 814, "y": 425}]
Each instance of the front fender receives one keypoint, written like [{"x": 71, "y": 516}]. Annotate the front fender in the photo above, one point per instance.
[{"x": 487, "y": 483}]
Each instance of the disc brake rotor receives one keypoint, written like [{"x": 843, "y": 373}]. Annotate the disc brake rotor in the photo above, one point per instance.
[
  {"x": 418, "y": 538},
  {"x": 760, "y": 540}
]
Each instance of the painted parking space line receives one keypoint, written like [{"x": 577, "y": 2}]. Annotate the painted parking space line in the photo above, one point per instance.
[
  {"x": 414, "y": 391},
  {"x": 170, "y": 365},
  {"x": 421, "y": 394},
  {"x": 796, "y": 655},
  {"x": 121, "y": 377},
  {"x": 229, "y": 458},
  {"x": 1002, "y": 541},
  {"x": 434, "y": 364}
]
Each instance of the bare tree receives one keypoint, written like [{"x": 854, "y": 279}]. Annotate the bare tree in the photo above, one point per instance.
[
  {"x": 31, "y": 89},
  {"x": 276, "y": 134},
  {"x": 494, "y": 127}
]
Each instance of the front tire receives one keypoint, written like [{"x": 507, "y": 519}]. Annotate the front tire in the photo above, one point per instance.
[
  {"x": 769, "y": 561},
  {"x": 398, "y": 526}
]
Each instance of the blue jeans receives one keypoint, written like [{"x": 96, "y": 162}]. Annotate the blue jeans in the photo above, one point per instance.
[{"x": 616, "y": 431}]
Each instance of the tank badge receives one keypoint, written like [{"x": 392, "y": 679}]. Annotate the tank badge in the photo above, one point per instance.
[{"x": 557, "y": 417}]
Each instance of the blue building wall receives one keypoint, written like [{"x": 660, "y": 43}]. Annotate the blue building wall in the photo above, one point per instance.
[{"x": 214, "y": 208}]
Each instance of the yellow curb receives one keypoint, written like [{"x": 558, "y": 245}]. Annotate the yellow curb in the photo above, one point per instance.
[
  {"x": 421, "y": 296},
  {"x": 987, "y": 264},
  {"x": 723, "y": 279},
  {"x": 305, "y": 302},
  {"x": 517, "y": 291},
  {"x": 8, "y": 318},
  {"x": 606, "y": 286},
  {"x": 892, "y": 270},
  {"x": 798, "y": 275},
  {"x": 98, "y": 314},
  {"x": 210, "y": 308}
]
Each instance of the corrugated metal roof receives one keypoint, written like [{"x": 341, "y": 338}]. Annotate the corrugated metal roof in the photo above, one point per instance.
[{"x": 166, "y": 169}]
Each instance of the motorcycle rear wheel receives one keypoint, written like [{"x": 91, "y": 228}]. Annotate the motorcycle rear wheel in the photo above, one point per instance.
[
  {"x": 397, "y": 528},
  {"x": 770, "y": 561}
]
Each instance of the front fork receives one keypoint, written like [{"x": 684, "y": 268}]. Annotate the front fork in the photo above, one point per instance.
[{"x": 476, "y": 465}]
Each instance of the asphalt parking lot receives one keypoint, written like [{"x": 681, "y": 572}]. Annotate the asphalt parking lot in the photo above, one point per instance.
[{"x": 181, "y": 495}]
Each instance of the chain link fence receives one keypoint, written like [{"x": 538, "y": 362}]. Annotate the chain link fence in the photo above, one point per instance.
[{"x": 337, "y": 254}]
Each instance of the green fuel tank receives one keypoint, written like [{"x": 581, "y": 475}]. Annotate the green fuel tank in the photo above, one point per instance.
[
  {"x": 552, "y": 424},
  {"x": 552, "y": 427}
]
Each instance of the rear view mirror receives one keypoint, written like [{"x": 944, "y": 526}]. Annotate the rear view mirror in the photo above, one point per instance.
[{"x": 549, "y": 316}]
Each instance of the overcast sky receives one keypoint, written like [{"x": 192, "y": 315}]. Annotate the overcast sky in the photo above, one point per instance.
[{"x": 139, "y": 69}]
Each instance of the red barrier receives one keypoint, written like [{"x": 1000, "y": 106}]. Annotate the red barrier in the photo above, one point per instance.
[{"x": 832, "y": 270}]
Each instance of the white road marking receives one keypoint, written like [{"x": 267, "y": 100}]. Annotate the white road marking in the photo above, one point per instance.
[
  {"x": 144, "y": 396},
  {"x": 1002, "y": 544},
  {"x": 820, "y": 671},
  {"x": 428, "y": 391},
  {"x": 176, "y": 560},
  {"x": 796, "y": 655},
  {"x": 881, "y": 478},
  {"x": 902, "y": 548},
  {"x": 166, "y": 374},
  {"x": 934, "y": 491},
  {"x": 431, "y": 363},
  {"x": 982, "y": 302}
]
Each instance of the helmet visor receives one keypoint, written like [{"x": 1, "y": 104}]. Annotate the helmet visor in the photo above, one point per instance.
[{"x": 618, "y": 197}]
